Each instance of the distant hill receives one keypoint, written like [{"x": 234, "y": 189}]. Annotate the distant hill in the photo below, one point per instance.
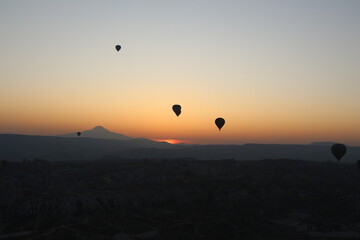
[
  {"x": 323, "y": 143},
  {"x": 98, "y": 132},
  {"x": 17, "y": 147},
  {"x": 320, "y": 153}
]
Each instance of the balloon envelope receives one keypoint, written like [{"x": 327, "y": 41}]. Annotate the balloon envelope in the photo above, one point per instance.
[
  {"x": 219, "y": 123},
  {"x": 338, "y": 150},
  {"x": 358, "y": 164},
  {"x": 177, "y": 109},
  {"x": 117, "y": 47},
  {"x": 78, "y": 133}
]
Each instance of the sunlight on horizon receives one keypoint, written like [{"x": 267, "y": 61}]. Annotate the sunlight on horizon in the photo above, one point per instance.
[{"x": 171, "y": 141}]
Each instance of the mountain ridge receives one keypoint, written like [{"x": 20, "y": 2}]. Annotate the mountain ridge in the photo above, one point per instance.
[
  {"x": 60, "y": 148},
  {"x": 55, "y": 148},
  {"x": 319, "y": 153}
]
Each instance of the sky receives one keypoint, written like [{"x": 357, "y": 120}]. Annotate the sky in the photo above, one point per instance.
[{"x": 277, "y": 71}]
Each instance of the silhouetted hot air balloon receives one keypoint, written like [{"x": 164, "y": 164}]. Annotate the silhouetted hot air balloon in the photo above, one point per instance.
[
  {"x": 4, "y": 163},
  {"x": 117, "y": 47},
  {"x": 177, "y": 109},
  {"x": 219, "y": 123},
  {"x": 78, "y": 133},
  {"x": 358, "y": 164},
  {"x": 338, "y": 150}
]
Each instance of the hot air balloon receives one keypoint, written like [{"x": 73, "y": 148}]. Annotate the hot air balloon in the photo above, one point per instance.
[
  {"x": 117, "y": 47},
  {"x": 338, "y": 150},
  {"x": 219, "y": 123},
  {"x": 177, "y": 109},
  {"x": 4, "y": 163},
  {"x": 78, "y": 133}
]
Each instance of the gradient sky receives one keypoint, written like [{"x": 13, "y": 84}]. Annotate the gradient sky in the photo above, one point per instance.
[{"x": 278, "y": 71}]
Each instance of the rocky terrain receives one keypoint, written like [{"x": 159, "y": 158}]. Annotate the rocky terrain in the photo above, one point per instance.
[{"x": 179, "y": 199}]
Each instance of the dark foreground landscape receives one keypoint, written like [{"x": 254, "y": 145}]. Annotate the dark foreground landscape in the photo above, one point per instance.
[{"x": 179, "y": 199}]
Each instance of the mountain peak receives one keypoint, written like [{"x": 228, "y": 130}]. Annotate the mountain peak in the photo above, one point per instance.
[
  {"x": 100, "y": 128},
  {"x": 99, "y": 132}
]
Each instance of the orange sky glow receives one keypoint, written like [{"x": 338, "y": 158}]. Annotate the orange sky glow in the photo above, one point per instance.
[
  {"x": 276, "y": 71},
  {"x": 172, "y": 141}
]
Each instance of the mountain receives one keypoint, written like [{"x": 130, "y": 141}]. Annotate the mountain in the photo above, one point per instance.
[{"x": 98, "y": 132}]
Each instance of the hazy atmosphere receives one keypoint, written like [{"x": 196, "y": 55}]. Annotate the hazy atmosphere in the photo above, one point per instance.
[{"x": 277, "y": 71}]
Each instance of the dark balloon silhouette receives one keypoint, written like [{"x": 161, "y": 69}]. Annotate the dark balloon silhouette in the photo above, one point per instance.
[
  {"x": 78, "y": 133},
  {"x": 219, "y": 123},
  {"x": 338, "y": 150},
  {"x": 358, "y": 164},
  {"x": 177, "y": 109},
  {"x": 4, "y": 163},
  {"x": 117, "y": 47}
]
